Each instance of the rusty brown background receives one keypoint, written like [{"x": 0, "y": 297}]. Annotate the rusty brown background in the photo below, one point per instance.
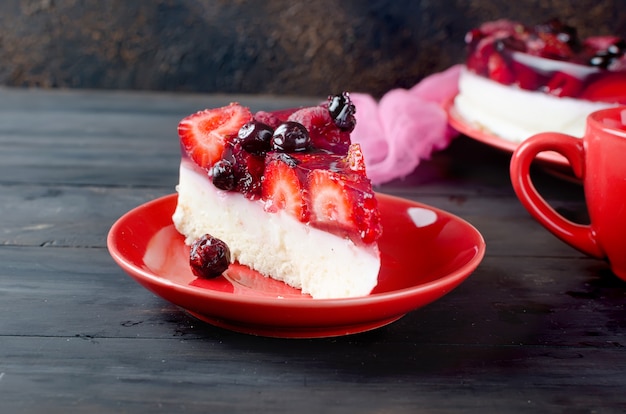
[{"x": 279, "y": 47}]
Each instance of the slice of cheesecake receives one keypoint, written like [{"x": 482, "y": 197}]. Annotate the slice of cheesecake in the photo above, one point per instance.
[{"x": 286, "y": 191}]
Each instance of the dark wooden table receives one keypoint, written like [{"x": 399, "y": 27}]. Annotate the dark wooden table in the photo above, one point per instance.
[{"x": 538, "y": 327}]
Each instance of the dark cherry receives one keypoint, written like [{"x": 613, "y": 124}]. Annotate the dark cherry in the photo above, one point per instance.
[
  {"x": 342, "y": 111},
  {"x": 474, "y": 36},
  {"x": 618, "y": 48},
  {"x": 247, "y": 169},
  {"x": 209, "y": 257},
  {"x": 510, "y": 43},
  {"x": 564, "y": 33},
  {"x": 222, "y": 174},
  {"x": 604, "y": 58},
  {"x": 291, "y": 136},
  {"x": 256, "y": 137}
]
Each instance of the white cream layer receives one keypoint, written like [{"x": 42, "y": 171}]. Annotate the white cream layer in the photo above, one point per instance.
[
  {"x": 515, "y": 114},
  {"x": 321, "y": 264}
]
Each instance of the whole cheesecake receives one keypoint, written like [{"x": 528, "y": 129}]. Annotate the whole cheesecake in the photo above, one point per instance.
[
  {"x": 518, "y": 80},
  {"x": 286, "y": 192}
]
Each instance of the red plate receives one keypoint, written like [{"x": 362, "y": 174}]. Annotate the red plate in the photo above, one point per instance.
[
  {"x": 425, "y": 254},
  {"x": 549, "y": 159}
]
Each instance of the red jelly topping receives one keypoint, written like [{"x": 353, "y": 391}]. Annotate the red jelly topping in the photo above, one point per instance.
[
  {"x": 299, "y": 161},
  {"x": 549, "y": 58}
]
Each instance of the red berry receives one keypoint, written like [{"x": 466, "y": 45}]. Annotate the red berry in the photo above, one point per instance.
[
  {"x": 248, "y": 169},
  {"x": 526, "y": 76},
  {"x": 324, "y": 133},
  {"x": 478, "y": 59},
  {"x": 561, "y": 40},
  {"x": 343, "y": 205},
  {"x": 499, "y": 71},
  {"x": 204, "y": 134},
  {"x": 553, "y": 48},
  {"x": 563, "y": 84},
  {"x": 609, "y": 88},
  {"x": 500, "y": 26},
  {"x": 209, "y": 257},
  {"x": 282, "y": 189},
  {"x": 330, "y": 203},
  {"x": 269, "y": 118}
]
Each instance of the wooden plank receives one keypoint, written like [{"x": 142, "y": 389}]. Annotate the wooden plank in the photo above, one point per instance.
[
  {"x": 81, "y": 216},
  {"x": 80, "y": 292},
  {"x": 72, "y": 137},
  {"x": 97, "y": 101},
  {"x": 259, "y": 375},
  {"x": 100, "y": 138},
  {"x": 537, "y": 328},
  {"x": 66, "y": 216}
]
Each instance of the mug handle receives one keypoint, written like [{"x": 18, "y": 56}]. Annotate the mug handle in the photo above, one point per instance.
[{"x": 579, "y": 236}]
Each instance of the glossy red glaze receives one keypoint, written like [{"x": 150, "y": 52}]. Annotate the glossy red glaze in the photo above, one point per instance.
[
  {"x": 549, "y": 58},
  {"x": 425, "y": 253},
  {"x": 598, "y": 160}
]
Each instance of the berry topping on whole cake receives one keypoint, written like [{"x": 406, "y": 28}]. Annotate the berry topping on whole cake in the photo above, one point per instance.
[
  {"x": 290, "y": 173},
  {"x": 550, "y": 58}
]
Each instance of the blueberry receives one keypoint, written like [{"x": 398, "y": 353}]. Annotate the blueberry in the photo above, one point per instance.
[
  {"x": 564, "y": 33},
  {"x": 209, "y": 257},
  {"x": 617, "y": 49},
  {"x": 342, "y": 111},
  {"x": 223, "y": 175},
  {"x": 601, "y": 60},
  {"x": 604, "y": 58},
  {"x": 510, "y": 43},
  {"x": 474, "y": 36},
  {"x": 291, "y": 137},
  {"x": 255, "y": 137}
]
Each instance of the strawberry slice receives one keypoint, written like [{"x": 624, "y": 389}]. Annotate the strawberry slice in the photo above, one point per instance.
[
  {"x": 554, "y": 48},
  {"x": 563, "y": 84},
  {"x": 330, "y": 203},
  {"x": 322, "y": 129},
  {"x": 609, "y": 88},
  {"x": 281, "y": 188},
  {"x": 343, "y": 205},
  {"x": 526, "y": 76},
  {"x": 205, "y": 133},
  {"x": 499, "y": 71},
  {"x": 478, "y": 59}
]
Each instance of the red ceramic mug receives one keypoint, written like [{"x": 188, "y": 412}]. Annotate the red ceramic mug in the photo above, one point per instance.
[{"x": 599, "y": 160}]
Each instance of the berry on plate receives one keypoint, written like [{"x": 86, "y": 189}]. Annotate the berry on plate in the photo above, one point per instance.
[{"x": 209, "y": 257}]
